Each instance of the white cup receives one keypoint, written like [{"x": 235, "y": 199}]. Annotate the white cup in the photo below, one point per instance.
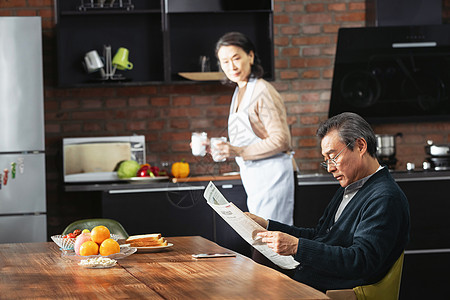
[
  {"x": 214, "y": 151},
  {"x": 198, "y": 143},
  {"x": 92, "y": 61}
]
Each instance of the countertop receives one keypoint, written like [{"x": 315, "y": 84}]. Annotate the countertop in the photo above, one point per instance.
[
  {"x": 196, "y": 182},
  {"x": 201, "y": 181},
  {"x": 419, "y": 175}
]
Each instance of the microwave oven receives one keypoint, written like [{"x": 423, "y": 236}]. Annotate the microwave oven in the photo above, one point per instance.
[{"x": 95, "y": 159}]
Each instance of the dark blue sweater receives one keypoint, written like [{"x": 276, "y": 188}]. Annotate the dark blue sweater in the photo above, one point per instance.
[{"x": 362, "y": 245}]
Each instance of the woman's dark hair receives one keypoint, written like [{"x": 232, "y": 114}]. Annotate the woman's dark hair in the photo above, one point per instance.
[
  {"x": 240, "y": 40},
  {"x": 350, "y": 127}
]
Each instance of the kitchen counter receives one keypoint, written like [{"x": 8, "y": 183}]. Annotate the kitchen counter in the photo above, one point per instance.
[
  {"x": 419, "y": 175},
  {"x": 303, "y": 179},
  {"x": 154, "y": 185}
]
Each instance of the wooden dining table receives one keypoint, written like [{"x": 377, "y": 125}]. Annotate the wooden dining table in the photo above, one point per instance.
[{"x": 43, "y": 271}]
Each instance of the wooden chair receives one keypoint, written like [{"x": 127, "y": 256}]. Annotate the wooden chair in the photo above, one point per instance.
[
  {"x": 113, "y": 226},
  {"x": 387, "y": 288}
]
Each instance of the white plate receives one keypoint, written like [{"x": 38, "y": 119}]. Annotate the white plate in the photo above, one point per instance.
[
  {"x": 97, "y": 265},
  {"x": 124, "y": 252},
  {"x": 147, "y": 178},
  {"x": 153, "y": 249}
]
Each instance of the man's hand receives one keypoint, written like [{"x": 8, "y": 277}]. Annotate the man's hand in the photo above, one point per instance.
[
  {"x": 259, "y": 220},
  {"x": 281, "y": 243}
]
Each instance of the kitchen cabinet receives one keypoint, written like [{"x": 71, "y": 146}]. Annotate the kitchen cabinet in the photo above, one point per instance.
[
  {"x": 427, "y": 255},
  {"x": 164, "y": 37},
  {"x": 175, "y": 210},
  {"x": 225, "y": 235}
]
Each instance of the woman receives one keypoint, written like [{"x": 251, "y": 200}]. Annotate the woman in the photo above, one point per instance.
[{"x": 259, "y": 135}]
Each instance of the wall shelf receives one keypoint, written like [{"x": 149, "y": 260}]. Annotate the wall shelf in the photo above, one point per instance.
[{"x": 164, "y": 37}]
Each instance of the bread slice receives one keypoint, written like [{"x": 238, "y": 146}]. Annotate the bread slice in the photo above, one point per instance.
[
  {"x": 144, "y": 237},
  {"x": 161, "y": 242},
  {"x": 146, "y": 240}
]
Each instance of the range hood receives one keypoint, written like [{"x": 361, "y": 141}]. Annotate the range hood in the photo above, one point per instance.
[{"x": 393, "y": 73}]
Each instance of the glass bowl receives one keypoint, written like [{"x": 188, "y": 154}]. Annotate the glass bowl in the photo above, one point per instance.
[
  {"x": 68, "y": 243},
  {"x": 64, "y": 243}
]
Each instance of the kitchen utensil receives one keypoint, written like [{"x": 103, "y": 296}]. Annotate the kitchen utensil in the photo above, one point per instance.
[
  {"x": 68, "y": 243},
  {"x": 92, "y": 61},
  {"x": 198, "y": 141},
  {"x": 124, "y": 252},
  {"x": 437, "y": 150},
  {"x": 386, "y": 144},
  {"x": 110, "y": 70},
  {"x": 215, "y": 151},
  {"x": 203, "y": 76},
  {"x": 120, "y": 60}
]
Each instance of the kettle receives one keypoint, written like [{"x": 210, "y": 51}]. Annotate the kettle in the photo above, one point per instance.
[{"x": 386, "y": 144}]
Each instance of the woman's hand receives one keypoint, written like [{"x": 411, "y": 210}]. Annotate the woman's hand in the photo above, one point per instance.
[
  {"x": 226, "y": 150},
  {"x": 281, "y": 243}
]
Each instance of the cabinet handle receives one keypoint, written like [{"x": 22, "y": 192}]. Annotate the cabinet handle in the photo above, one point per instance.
[
  {"x": 167, "y": 189},
  {"x": 227, "y": 186}
]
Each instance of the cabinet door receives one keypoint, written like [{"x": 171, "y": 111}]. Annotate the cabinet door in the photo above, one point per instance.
[
  {"x": 425, "y": 276},
  {"x": 429, "y": 207},
  {"x": 174, "y": 212},
  {"x": 310, "y": 203},
  {"x": 225, "y": 235}
]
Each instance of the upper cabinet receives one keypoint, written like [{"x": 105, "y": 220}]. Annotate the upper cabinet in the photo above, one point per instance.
[{"x": 163, "y": 37}]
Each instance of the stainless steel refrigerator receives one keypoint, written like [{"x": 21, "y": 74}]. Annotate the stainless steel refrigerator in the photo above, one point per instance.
[{"x": 22, "y": 157}]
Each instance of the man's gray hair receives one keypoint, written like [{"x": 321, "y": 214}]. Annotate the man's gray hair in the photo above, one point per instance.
[{"x": 350, "y": 127}]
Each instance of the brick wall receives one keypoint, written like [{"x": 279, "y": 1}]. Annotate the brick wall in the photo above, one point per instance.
[{"x": 305, "y": 38}]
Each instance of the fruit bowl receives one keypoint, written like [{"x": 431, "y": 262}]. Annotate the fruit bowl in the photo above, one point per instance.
[
  {"x": 64, "y": 243},
  {"x": 68, "y": 243}
]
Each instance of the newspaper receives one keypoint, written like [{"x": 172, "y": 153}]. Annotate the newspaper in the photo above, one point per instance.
[{"x": 245, "y": 226}]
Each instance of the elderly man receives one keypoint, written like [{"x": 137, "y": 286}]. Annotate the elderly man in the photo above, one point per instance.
[{"x": 365, "y": 227}]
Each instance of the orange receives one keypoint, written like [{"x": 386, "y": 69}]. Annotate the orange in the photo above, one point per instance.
[
  {"x": 89, "y": 248},
  {"x": 109, "y": 246},
  {"x": 99, "y": 234}
]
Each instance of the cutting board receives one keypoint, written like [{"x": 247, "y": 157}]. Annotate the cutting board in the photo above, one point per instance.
[{"x": 207, "y": 178}]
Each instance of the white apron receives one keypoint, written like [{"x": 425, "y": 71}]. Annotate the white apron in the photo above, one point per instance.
[{"x": 269, "y": 182}]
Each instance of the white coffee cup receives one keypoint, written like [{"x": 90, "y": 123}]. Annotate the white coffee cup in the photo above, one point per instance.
[
  {"x": 198, "y": 143},
  {"x": 214, "y": 151},
  {"x": 92, "y": 61}
]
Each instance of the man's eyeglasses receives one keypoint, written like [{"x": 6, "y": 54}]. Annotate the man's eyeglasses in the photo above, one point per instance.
[{"x": 332, "y": 161}]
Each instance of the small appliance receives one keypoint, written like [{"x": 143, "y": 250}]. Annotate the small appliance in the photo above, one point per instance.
[{"x": 95, "y": 159}]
